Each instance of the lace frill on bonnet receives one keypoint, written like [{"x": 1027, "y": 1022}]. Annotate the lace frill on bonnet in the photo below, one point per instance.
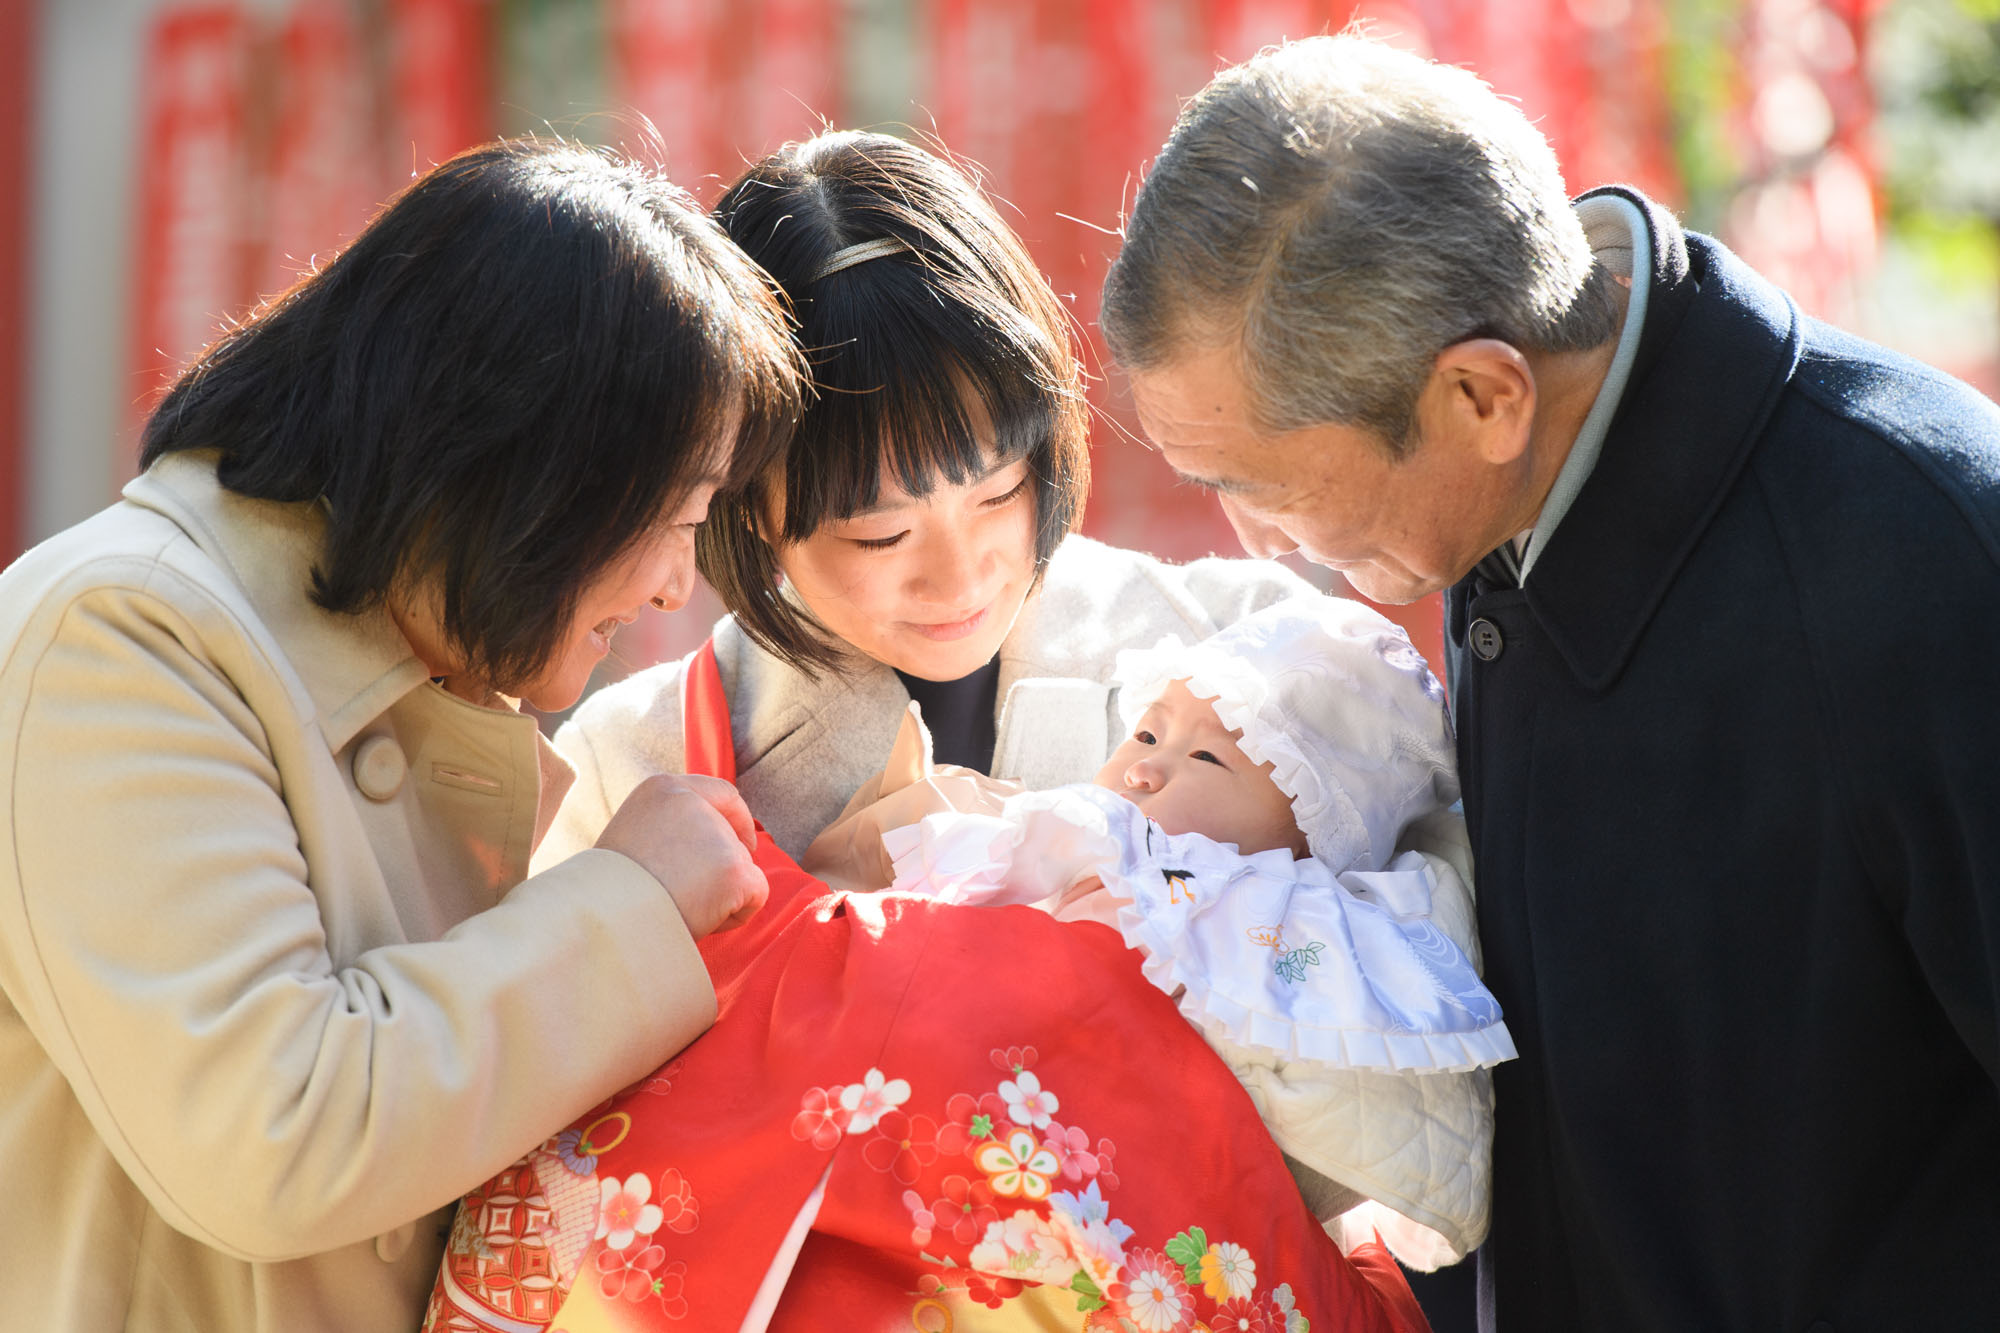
[{"x": 1334, "y": 697}]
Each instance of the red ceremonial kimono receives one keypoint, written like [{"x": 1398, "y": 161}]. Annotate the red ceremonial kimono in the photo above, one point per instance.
[{"x": 1006, "y": 1125}]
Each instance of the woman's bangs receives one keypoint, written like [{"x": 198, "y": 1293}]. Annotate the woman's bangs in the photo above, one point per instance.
[{"x": 919, "y": 402}]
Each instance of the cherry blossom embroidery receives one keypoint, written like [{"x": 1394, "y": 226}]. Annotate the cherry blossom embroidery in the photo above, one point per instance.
[
  {"x": 965, "y": 1209},
  {"x": 633, "y": 1277},
  {"x": 1013, "y": 1059},
  {"x": 629, "y": 1274},
  {"x": 623, "y": 1211},
  {"x": 678, "y": 1206},
  {"x": 1028, "y": 1103},
  {"x": 923, "y": 1220},
  {"x": 1072, "y": 1149},
  {"x": 969, "y": 1121},
  {"x": 865, "y": 1101},
  {"x": 903, "y": 1145},
  {"x": 821, "y": 1119}
]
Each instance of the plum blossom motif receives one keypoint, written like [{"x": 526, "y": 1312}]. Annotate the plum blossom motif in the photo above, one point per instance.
[
  {"x": 1072, "y": 1149},
  {"x": 1028, "y": 1103},
  {"x": 965, "y": 1209},
  {"x": 1013, "y": 1059},
  {"x": 1153, "y": 1295},
  {"x": 923, "y": 1220},
  {"x": 821, "y": 1119},
  {"x": 903, "y": 1145},
  {"x": 1228, "y": 1272},
  {"x": 627, "y": 1274},
  {"x": 1025, "y": 1245},
  {"x": 991, "y": 1292},
  {"x": 678, "y": 1207},
  {"x": 865, "y": 1101},
  {"x": 970, "y": 1121},
  {"x": 1017, "y": 1166},
  {"x": 624, "y": 1211}
]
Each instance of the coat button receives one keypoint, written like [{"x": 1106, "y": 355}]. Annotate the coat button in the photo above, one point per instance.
[
  {"x": 379, "y": 768},
  {"x": 1484, "y": 636}
]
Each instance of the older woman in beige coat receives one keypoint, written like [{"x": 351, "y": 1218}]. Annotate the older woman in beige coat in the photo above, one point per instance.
[{"x": 275, "y": 986}]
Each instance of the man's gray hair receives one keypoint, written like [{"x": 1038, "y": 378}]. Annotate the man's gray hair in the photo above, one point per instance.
[{"x": 1342, "y": 212}]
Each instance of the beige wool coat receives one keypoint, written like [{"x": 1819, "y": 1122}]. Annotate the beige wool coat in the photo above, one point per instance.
[{"x": 274, "y": 986}]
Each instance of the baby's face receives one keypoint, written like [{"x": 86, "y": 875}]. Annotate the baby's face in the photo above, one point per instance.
[{"x": 1181, "y": 767}]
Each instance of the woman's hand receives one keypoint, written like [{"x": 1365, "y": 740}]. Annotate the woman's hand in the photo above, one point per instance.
[
  {"x": 695, "y": 836},
  {"x": 849, "y": 851}
]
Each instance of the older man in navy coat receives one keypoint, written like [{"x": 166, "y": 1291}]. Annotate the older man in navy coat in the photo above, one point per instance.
[{"x": 1723, "y": 609}]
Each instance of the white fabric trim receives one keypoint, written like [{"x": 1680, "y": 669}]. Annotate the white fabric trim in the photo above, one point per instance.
[{"x": 772, "y": 1289}]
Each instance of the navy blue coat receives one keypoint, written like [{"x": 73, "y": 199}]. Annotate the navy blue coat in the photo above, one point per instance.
[{"x": 1733, "y": 783}]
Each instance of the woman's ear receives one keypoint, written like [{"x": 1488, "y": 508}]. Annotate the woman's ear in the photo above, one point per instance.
[{"x": 1483, "y": 390}]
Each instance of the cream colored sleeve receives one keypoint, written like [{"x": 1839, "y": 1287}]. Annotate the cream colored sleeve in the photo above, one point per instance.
[{"x": 162, "y": 937}]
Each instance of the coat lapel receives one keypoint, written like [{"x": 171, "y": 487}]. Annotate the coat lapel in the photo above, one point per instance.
[{"x": 1669, "y": 460}]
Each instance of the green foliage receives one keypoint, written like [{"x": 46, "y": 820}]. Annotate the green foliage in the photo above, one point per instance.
[
  {"x": 1088, "y": 1295},
  {"x": 1186, "y": 1249}
]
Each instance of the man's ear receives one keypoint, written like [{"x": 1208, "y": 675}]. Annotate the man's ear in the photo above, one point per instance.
[{"x": 1483, "y": 389}]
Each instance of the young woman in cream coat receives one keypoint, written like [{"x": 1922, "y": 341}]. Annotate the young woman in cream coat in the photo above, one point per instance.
[{"x": 275, "y": 987}]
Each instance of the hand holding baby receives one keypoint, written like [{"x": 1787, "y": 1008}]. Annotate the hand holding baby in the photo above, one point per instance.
[{"x": 849, "y": 854}]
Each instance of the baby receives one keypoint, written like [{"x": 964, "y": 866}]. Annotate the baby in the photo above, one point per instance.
[
  {"x": 1249, "y": 838},
  {"x": 949, "y": 1118}
]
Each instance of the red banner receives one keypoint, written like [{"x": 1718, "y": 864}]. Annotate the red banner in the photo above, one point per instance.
[
  {"x": 324, "y": 176},
  {"x": 791, "y": 83},
  {"x": 664, "y": 62},
  {"x": 440, "y": 96},
  {"x": 192, "y": 269}
]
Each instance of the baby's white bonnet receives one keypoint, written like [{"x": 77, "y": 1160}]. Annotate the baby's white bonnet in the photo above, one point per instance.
[{"x": 1332, "y": 694}]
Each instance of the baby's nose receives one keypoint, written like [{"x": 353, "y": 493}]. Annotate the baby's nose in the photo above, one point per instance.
[{"x": 1143, "y": 773}]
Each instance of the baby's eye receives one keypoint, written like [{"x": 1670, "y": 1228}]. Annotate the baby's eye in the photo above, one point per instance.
[
  {"x": 1144, "y": 737},
  {"x": 1207, "y": 758}
]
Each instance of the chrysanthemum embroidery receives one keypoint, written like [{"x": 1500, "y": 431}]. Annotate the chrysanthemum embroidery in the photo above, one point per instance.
[{"x": 1288, "y": 960}]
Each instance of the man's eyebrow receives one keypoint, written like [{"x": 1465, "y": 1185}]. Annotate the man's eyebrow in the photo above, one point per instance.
[{"x": 1220, "y": 485}]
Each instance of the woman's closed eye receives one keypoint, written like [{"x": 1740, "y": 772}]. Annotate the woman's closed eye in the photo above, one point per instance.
[
  {"x": 1013, "y": 493},
  {"x": 879, "y": 543}
]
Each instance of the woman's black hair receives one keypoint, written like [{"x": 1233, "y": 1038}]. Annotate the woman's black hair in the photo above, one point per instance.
[
  {"x": 517, "y": 371},
  {"x": 924, "y": 360}
]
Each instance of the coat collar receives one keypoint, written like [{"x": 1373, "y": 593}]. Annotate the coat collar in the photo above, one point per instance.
[
  {"x": 352, "y": 667},
  {"x": 1719, "y": 345}
]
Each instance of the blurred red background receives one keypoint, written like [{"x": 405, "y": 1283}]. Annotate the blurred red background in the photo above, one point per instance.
[{"x": 266, "y": 133}]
